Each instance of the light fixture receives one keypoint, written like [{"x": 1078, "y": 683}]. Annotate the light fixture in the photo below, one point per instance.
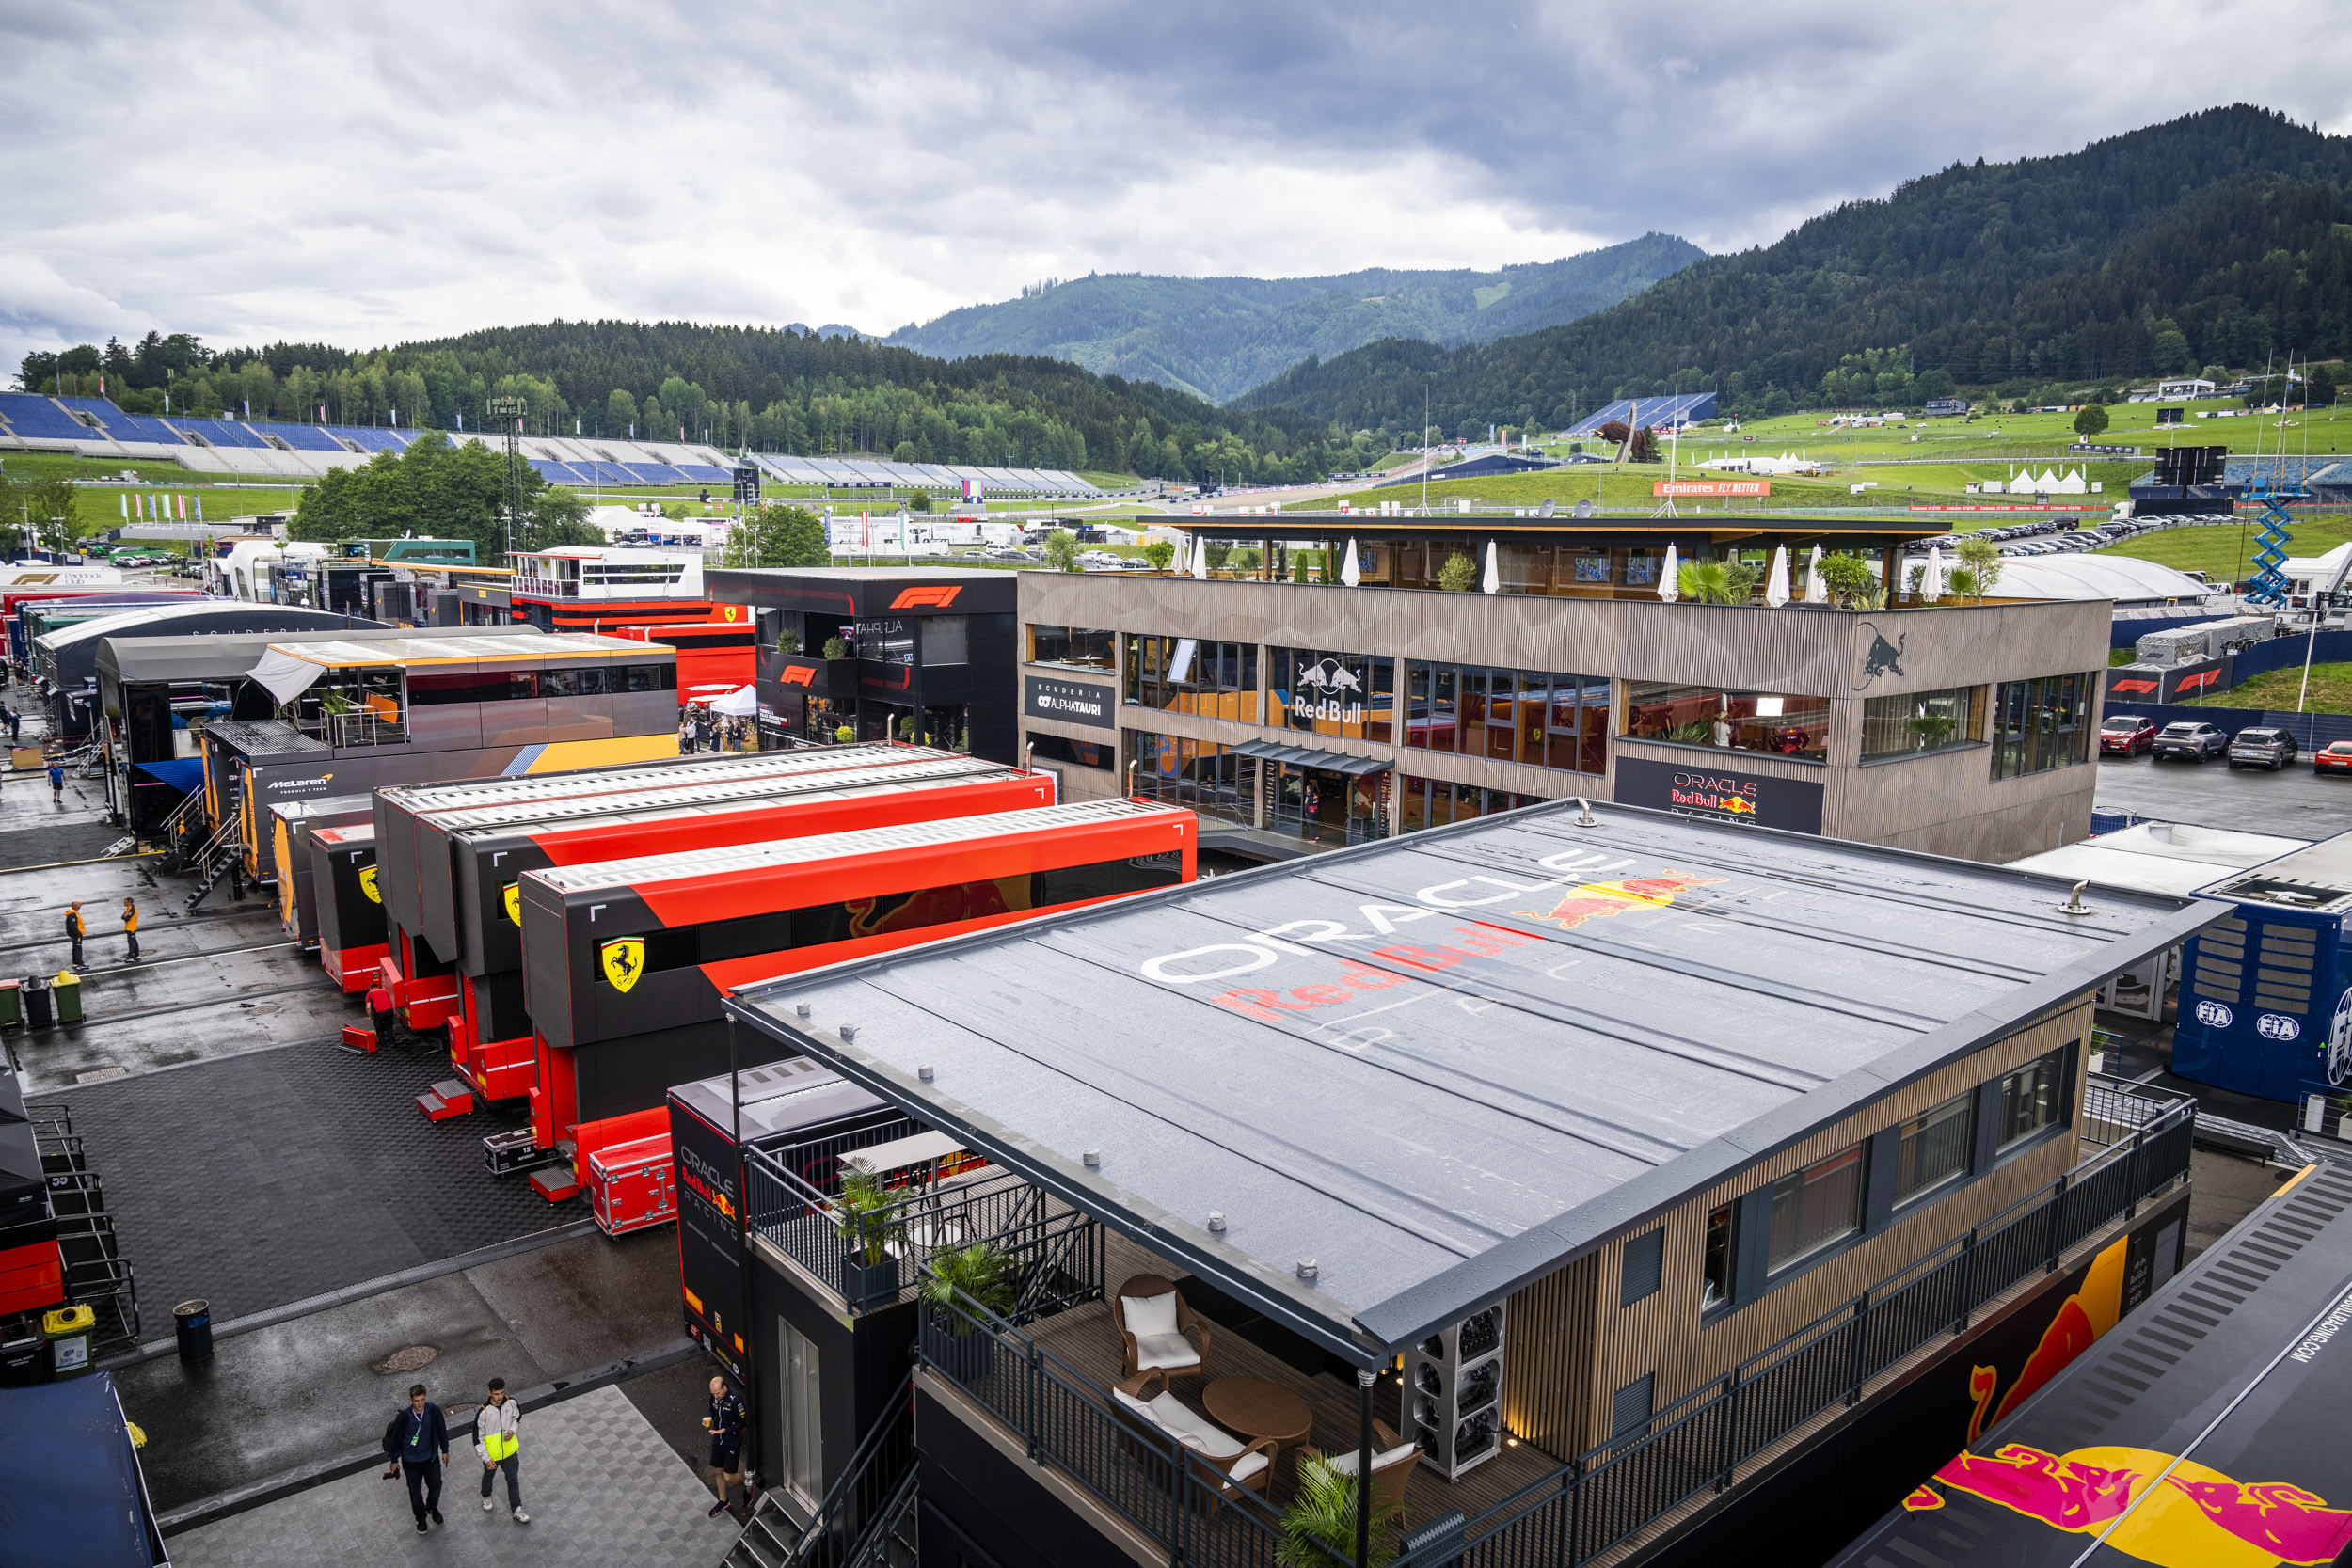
[
  {"x": 1092, "y": 1158},
  {"x": 1771, "y": 707}
]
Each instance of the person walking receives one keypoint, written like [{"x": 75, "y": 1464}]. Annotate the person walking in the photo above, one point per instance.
[
  {"x": 417, "y": 1443},
  {"x": 686, "y": 737},
  {"x": 75, "y": 931},
  {"x": 131, "y": 928},
  {"x": 725, "y": 1423},
  {"x": 498, "y": 1442},
  {"x": 15, "y": 719},
  {"x": 56, "y": 781}
]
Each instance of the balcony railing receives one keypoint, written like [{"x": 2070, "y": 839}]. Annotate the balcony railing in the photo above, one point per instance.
[{"x": 1600, "y": 1498}]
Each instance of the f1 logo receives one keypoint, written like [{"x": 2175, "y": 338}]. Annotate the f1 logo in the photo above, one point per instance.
[
  {"x": 2132, "y": 686},
  {"x": 915, "y": 599},
  {"x": 2198, "y": 682},
  {"x": 797, "y": 675}
]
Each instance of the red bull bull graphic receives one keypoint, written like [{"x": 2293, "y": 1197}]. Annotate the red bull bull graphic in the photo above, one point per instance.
[
  {"x": 2172, "y": 1512},
  {"x": 1599, "y": 900}
]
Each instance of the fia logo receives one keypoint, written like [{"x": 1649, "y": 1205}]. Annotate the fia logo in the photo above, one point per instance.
[
  {"x": 2278, "y": 1026},
  {"x": 2213, "y": 1015}
]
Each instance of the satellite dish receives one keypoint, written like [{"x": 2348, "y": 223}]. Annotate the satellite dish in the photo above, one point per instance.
[
  {"x": 1547, "y": 509},
  {"x": 1584, "y": 509}
]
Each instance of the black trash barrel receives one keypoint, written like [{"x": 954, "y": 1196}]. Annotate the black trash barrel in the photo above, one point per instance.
[
  {"x": 192, "y": 1325},
  {"x": 37, "y": 1014}
]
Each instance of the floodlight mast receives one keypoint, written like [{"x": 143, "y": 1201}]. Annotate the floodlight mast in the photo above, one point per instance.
[{"x": 512, "y": 411}]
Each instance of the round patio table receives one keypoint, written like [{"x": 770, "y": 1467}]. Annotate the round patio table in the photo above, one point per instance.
[{"x": 1256, "y": 1408}]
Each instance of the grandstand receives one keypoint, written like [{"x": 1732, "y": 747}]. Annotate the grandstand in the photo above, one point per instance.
[
  {"x": 94, "y": 427},
  {"x": 1652, "y": 413}
]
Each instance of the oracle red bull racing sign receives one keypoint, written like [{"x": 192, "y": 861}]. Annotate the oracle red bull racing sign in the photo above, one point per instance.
[{"x": 1720, "y": 793}]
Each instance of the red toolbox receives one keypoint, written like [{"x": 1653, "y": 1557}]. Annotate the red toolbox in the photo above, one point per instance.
[{"x": 631, "y": 1185}]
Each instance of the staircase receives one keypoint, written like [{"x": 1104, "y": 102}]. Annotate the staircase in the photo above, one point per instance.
[
  {"x": 212, "y": 862},
  {"x": 865, "y": 1521},
  {"x": 96, "y": 1273}
]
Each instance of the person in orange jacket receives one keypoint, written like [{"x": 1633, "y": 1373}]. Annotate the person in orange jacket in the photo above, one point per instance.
[
  {"x": 75, "y": 930},
  {"x": 131, "y": 927}
]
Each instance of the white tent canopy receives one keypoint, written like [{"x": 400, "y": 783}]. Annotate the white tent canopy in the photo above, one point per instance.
[
  {"x": 740, "y": 703},
  {"x": 285, "y": 676}
]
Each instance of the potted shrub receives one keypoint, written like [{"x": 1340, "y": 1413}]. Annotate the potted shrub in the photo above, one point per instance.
[
  {"x": 843, "y": 735},
  {"x": 866, "y": 1216},
  {"x": 1319, "y": 1526},
  {"x": 1932, "y": 729},
  {"x": 984, "y": 1276},
  {"x": 836, "y": 648}
]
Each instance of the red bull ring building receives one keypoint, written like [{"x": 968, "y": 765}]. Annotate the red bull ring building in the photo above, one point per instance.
[
  {"x": 1566, "y": 1172},
  {"x": 1294, "y": 710}
]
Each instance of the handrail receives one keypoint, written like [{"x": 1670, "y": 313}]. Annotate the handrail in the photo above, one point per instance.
[{"x": 889, "y": 1441}]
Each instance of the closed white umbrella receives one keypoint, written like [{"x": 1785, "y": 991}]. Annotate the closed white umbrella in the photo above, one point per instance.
[
  {"x": 1931, "y": 580},
  {"x": 1668, "y": 589},
  {"x": 1348, "y": 572},
  {"x": 1776, "y": 586},
  {"x": 1815, "y": 590},
  {"x": 1493, "y": 582},
  {"x": 1200, "y": 557}
]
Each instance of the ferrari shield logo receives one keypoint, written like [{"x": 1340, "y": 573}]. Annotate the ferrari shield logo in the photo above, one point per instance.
[
  {"x": 731, "y": 612},
  {"x": 514, "y": 902},
  {"x": 367, "y": 885},
  {"x": 623, "y": 960}
]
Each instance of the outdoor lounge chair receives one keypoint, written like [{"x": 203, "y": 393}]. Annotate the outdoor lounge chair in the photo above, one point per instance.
[
  {"x": 1146, "y": 1406},
  {"x": 1393, "y": 1460},
  {"x": 1152, "y": 1318}
]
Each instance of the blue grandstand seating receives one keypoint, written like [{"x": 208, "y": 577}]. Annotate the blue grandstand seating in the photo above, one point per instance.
[
  {"x": 554, "y": 472},
  {"x": 222, "y": 433},
  {"x": 703, "y": 474},
  {"x": 1685, "y": 408},
  {"x": 370, "y": 439},
  {"x": 653, "y": 473},
  {"x": 139, "y": 427},
  {"x": 304, "y": 437},
  {"x": 605, "y": 473},
  {"x": 38, "y": 418}
]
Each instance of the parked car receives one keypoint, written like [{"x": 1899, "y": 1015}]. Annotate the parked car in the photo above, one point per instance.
[
  {"x": 2262, "y": 747},
  {"x": 2334, "y": 757},
  {"x": 2193, "y": 740},
  {"x": 2126, "y": 734}
]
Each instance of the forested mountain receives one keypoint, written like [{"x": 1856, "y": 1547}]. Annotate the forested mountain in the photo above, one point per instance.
[
  {"x": 778, "y": 391},
  {"x": 2218, "y": 239},
  {"x": 1221, "y": 336}
]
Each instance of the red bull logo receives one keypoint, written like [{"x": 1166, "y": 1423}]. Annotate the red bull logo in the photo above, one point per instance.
[
  {"x": 2173, "y": 1512},
  {"x": 1599, "y": 900}
]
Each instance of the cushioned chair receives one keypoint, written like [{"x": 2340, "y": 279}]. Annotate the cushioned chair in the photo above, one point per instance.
[
  {"x": 1154, "y": 1321},
  {"x": 1393, "y": 1460},
  {"x": 1145, "y": 1403}
]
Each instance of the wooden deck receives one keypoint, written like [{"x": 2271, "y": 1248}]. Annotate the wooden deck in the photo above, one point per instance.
[{"x": 1085, "y": 1339}]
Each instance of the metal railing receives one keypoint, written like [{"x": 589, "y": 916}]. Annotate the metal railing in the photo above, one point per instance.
[{"x": 1596, "y": 1501}]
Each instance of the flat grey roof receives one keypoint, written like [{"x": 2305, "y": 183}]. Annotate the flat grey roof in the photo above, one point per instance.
[
  {"x": 2316, "y": 879},
  {"x": 1445, "y": 1064}
]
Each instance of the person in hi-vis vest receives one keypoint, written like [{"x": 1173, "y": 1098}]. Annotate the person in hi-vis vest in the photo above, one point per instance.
[{"x": 497, "y": 1439}]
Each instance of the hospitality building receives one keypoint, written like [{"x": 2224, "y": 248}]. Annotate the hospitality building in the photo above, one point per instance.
[{"x": 1294, "y": 711}]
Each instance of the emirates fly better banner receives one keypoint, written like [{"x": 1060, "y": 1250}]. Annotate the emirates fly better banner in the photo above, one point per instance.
[{"x": 1712, "y": 487}]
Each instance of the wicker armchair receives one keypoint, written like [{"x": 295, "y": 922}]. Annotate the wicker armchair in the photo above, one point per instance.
[
  {"x": 1145, "y": 1405},
  {"x": 1163, "y": 1347},
  {"x": 1393, "y": 1462}
]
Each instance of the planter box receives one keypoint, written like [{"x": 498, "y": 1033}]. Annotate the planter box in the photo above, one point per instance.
[
  {"x": 865, "y": 1286},
  {"x": 968, "y": 1358}
]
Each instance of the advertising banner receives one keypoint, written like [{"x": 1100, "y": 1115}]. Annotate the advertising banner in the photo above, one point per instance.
[
  {"x": 1719, "y": 791},
  {"x": 1072, "y": 701},
  {"x": 1712, "y": 487},
  {"x": 2189, "y": 681}
]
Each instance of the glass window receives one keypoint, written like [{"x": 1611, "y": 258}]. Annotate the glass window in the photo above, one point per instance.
[
  {"x": 1715, "y": 1273},
  {"x": 1815, "y": 1207},
  {"x": 1934, "y": 1147},
  {"x": 1921, "y": 721},
  {"x": 1545, "y": 721},
  {"x": 946, "y": 640},
  {"x": 1768, "y": 721},
  {"x": 1592, "y": 567},
  {"x": 1333, "y": 693},
  {"x": 1076, "y": 646},
  {"x": 2029, "y": 1099},
  {"x": 1188, "y": 676},
  {"x": 2042, "y": 725},
  {"x": 1077, "y": 754},
  {"x": 886, "y": 641},
  {"x": 646, "y": 677},
  {"x": 1196, "y": 773}
]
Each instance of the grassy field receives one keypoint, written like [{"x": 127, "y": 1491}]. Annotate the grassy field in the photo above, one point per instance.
[
  {"x": 2226, "y": 553},
  {"x": 2331, "y": 690},
  {"x": 1612, "y": 489}
]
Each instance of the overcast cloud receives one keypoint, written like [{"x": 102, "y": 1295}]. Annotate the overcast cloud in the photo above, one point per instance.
[{"x": 257, "y": 171}]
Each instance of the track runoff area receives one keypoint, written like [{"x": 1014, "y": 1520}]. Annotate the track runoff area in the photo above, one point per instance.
[{"x": 573, "y": 936}]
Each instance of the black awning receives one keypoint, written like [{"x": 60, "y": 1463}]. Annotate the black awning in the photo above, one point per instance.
[{"x": 1309, "y": 756}]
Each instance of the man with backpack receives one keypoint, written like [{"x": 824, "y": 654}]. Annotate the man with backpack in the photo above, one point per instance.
[
  {"x": 417, "y": 1443},
  {"x": 498, "y": 1442}
]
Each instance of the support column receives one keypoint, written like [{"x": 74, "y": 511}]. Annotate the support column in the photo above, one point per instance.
[{"x": 1363, "y": 1469}]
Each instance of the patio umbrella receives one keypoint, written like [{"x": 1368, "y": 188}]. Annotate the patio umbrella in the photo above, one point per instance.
[
  {"x": 1668, "y": 589},
  {"x": 1815, "y": 590},
  {"x": 1348, "y": 572},
  {"x": 1931, "y": 580},
  {"x": 1200, "y": 557},
  {"x": 1493, "y": 582},
  {"x": 1776, "y": 586}
]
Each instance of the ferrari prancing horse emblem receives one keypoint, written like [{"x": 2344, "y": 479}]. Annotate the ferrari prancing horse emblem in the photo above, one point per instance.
[
  {"x": 624, "y": 961},
  {"x": 514, "y": 902},
  {"x": 367, "y": 885}
]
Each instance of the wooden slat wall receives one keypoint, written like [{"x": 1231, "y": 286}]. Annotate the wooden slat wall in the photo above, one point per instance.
[{"x": 1571, "y": 1347}]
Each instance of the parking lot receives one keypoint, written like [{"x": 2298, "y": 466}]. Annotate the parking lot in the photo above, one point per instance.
[{"x": 2291, "y": 801}]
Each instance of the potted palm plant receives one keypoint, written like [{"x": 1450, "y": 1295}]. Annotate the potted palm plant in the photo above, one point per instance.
[
  {"x": 982, "y": 1274},
  {"x": 867, "y": 1218},
  {"x": 1319, "y": 1526}
]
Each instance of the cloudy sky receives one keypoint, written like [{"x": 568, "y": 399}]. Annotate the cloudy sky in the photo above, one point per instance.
[{"x": 368, "y": 175}]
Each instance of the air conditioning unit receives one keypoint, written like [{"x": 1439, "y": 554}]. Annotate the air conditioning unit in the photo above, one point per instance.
[{"x": 1453, "y": 1397}]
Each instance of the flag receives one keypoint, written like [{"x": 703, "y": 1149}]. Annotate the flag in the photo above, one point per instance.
[
  {"x": 181, "y": 503},
  {"x": 200, "y": 509},
  {"x": 126, "y": 505},
  {"x": 248, "y": 410}
]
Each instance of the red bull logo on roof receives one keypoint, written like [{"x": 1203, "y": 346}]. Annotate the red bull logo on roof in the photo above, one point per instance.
[
  {"x": 2167, "y": 1511},
  {"x": 1599, "y": 900}
]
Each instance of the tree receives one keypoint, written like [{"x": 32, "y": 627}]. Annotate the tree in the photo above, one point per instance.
[
  {"x": 2169, "y": 350},
  {"x": 1459, "y": 574},
  {"x": 920, "y": 500},
  {"x": 31, "y": 506},
  {"x": 557, "y": 517},
  {"x": 2091, "y": 419},
  {"x": 1851, "y": 581},
  {"x": 778, "y": 536},
  {"x": 435, "y": 489},
  {"x": 1061, "y": 551},
  {"x": 1160, "y": 554},
  {"x": 1982, "y": 559}
]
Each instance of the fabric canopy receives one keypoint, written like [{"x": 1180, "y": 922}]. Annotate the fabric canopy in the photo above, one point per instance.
[
  {"x": 73, "y": 1493},
  {"x": 736, "y": 704},
  {"x": 1309, "y": 756},
  {"x": 286, "y": 676}
]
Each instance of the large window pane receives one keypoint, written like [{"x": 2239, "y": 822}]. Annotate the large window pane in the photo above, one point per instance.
[
  {"x": 1330, "y": 692},
  {"x": 2029, "y": 1099},
  {"x": 1445, "y": 707},
  {"x": 1815, "y": 1207},
  {"x": 1920, "y": 721},
  {"x": 1934, "y": 1147},
  {"x": 1768, "y": 721},
  {"x": 1190, "y": 675},
  {"x": 2042, "y": 725}
]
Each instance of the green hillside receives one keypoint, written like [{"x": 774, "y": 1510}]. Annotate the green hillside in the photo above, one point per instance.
[
  {"x": 2219, "y": 239},
  {"x": 1218, "y": 337}
]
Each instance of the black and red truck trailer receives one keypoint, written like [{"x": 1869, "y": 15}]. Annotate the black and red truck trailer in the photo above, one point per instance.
[
  {"x": 474, "y": 915},
  {"x": 420, "y": 979},
  {"x": 626, "y": 962},
  {"x": 349, "y": 902}
]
